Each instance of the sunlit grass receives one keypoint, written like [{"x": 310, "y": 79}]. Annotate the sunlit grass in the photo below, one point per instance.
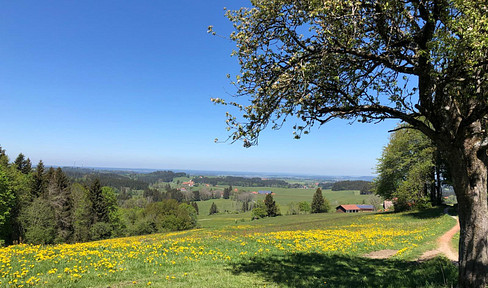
[{"x": 211, "y": 257}]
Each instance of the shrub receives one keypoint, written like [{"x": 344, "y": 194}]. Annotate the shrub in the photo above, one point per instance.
[
  {"x": 101, "y": 230},
  {"x": 293, "y": 208},
  {"x": 169, "y": 215},
  {"x": 259, "y": 211},
  {"x": 304, "y": 207}
]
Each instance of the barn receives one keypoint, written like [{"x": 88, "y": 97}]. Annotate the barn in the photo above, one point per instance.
[{"x": 353, "y": 208}]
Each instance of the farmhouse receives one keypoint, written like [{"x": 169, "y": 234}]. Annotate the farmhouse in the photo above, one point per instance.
[
  {"x": 189, "y": 183},
  {"x": 353, "y": 208}
]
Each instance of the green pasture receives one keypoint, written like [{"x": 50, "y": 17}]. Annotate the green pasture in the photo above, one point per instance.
[
  {"x": 283, "y": 197},
  {"x": 285, "y": 251}
]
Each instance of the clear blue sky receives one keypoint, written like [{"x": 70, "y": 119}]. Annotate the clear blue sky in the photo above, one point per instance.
[{"x": 128, "y": 84}]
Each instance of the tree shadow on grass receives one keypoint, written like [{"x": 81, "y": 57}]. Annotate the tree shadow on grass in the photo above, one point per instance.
[
  {"x": 318, "y": 270},
  {"x": 427, "y": 213}
]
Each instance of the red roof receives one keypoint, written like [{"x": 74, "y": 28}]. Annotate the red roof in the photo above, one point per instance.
[{"x": 349, "y": 207}]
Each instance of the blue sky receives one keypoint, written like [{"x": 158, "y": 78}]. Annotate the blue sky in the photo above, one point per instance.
[{"x": 128, "y": 84}]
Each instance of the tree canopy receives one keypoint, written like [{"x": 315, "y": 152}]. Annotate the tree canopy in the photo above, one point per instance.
[
  {"x": 319, "y": 60},
  {"x": 407, "y": 169}
]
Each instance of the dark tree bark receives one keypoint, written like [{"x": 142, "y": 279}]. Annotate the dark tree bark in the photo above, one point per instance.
[{"x": 468, "y": 168}]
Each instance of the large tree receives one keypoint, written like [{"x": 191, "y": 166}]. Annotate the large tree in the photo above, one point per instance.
[
  {"x": 423, "y": 62},
  {"x": 59, "y": 196},
  {"x": 408, "y": 170}
]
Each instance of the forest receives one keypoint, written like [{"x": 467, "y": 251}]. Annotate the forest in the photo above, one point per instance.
[
  {"x": 241, "y": 181},
  {"x": 118, "y": 179},
  {"x": 44, "y": 205},
  {"x": 363, "y": 186}
]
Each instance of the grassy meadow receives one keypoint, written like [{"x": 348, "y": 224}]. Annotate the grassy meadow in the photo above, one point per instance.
[
  {"x": 229, "y": 250},
  {"x": 284, "y": 196}
]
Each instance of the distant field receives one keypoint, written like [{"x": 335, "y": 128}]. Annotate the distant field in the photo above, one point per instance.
[
  {"x": 283, "y": 196},
  {"x": 318, "y": 250}
]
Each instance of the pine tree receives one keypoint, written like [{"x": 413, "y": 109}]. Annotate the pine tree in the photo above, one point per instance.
[
  {"x": 326, "y": 206},
  {"x": 19, "y": 162},
  {"x": 227, "y": 191},
  {"x": 318, "y": 202},
  {"x": 245, "y": 206},
  {"x": 213, "y": 209},
  {"x": 39, "y": 186},
  {"x": 22, "y": 164},
  {"x": 3, "y": 158},
  {"x": 270, "y": 204},
  {"x": 59, "y": 197},
  {"x": 27, "y": 168},
  {"x": 100, "y": 213}
]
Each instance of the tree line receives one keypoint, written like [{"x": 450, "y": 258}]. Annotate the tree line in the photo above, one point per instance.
[
  {"x": 136, "y": 181},
  {"x": 361, "y": 185},
  {"x": 42, "y": 206},
  {"x": 241, "y": 181}
]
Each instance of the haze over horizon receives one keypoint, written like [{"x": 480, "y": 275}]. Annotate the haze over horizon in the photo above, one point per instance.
[{"x": 128, "y": 85}]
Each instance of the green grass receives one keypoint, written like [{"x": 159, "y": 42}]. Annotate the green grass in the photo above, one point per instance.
[
  {"x": 318, "y": 250},
  {"x": 284, "y": 196}
]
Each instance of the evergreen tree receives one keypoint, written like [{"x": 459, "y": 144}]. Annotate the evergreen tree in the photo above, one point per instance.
[
  {"x": 50, "y": 173},
  {"x": 152, "y": 195},
  {"x": 27, "y": 168},
  {"x": 245, "y": 206},
  {"x": 270, "y": 206},
  {"x": 22, "y": 164},
  {"x": 326, "y": 206},
  {"x": 319, "y": 204},
  {"x": 39, "y": 184},
  {"x": 59, "y": 196},
  {"x": 227, "y": 191},
  {"x": 100, "y": 213},
  {"x": 19, "y": 162},
  {"x": 3, "y": 158},
  {"x": 213, "y": 209}
]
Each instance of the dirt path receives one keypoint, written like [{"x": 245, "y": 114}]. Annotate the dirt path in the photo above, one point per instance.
[{"x": 444, "y": 245}]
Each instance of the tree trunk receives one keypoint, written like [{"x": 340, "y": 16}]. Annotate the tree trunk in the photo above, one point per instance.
[
  {"x": 438, "y": 182},
  {"x": 467, "y": 165}
]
